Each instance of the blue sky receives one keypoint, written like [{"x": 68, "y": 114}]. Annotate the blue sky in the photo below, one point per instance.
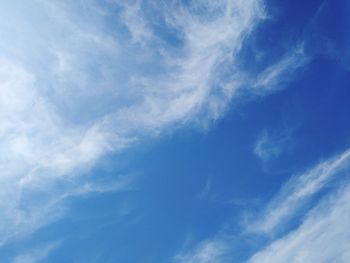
[{"x": 174, "y": 131}]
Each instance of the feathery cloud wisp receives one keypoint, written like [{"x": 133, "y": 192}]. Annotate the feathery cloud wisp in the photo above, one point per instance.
[
  {"x": 299, "y": 190},
  {"x": 322, "y": 237},
  {"x": 321, "y": 234},
  {"x": 69, "y": 97},
  {"x": 83, "y": 89},
  {"x": 36, "y": 255}
]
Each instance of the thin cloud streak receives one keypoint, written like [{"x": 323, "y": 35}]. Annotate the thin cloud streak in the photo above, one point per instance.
[
  {"x": 208, "y": 251},
  {"x": 277, "y": 75},
  {"x": 36, "y": 255},
  {"x": 322, "y": 237},
  {"x": 324, "y": 224},
  {"x": 298, "y": 191}
]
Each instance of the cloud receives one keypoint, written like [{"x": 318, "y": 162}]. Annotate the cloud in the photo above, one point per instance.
[
  {"x": 277, "y": 75},
  {"x": 37, "y": 152},
  {"x": 36, "y": 255},
  {"x": 271, "y": 145},
  {"x": 264, "y": 149},
  {"x": 320, "y": 234},
  {"x": 74, "y": 89},
  {"x": 209, "y": 251},
  {"x": 322, "y": 237},
  {"x": 296, "y": 192},
  {"x": 136, "y": 24}
]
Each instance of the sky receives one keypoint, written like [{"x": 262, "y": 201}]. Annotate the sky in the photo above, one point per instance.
[{"x": 174, "y": 131}]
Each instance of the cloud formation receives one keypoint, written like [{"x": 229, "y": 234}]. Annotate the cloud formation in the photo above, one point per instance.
[
  {"x": 36, "y": 255},
  {"x": 270, "y": 145},
  {"x": 300, "y": 189},
  {"x": 209, "y": 251},
  {"x": 320, "y": 235},
  {"x": 277, "y": 75},
  {"x": 76, "y": 87},
  {"x": 67, "y": 100}
]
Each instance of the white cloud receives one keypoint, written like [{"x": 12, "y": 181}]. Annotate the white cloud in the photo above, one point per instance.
[
  {"x": 271, "y": 145},
  {"x": 209, "y": 251},
  {"x": 300, "y": 189},
  {"x": 277, "y": 75},
  {"x": 73, "y": 89},
  {"x": 36, "y": 255},
  {"x": 322, "y": 237},
  {"x": 137, "y": 26}
]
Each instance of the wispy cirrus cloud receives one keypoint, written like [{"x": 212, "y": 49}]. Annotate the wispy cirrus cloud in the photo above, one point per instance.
[
  {"x": 320, "y": 234},
  {"x": 299, "y": 190},
  {"x": 36, "y": 255},
  {"x": 323, "y": 235},
  {"x": 74, "y": 88},
  {"x": 209, "y": 251},
  {"x": 270, "y": 145},
  {"x": 279, "y": 74},
  {"x": 132, "y": 17}
]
